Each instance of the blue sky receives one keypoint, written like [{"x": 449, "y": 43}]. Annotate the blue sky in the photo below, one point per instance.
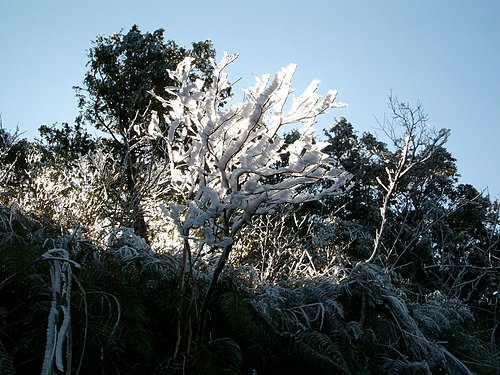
[{"x": 445, "y": 54}]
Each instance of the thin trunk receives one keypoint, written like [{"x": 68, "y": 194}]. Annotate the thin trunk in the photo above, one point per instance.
[
  {"x": 185, "y": 251},
  {"x": 208, "y": 295},
  {"x": 383, "y": 222},
  {"x": 134, "y": 197}
]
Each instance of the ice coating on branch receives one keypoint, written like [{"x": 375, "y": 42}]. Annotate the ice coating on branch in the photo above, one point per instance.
[{"x": 231, "y": 159}]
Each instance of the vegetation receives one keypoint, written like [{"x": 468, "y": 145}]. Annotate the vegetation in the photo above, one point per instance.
[{"x": 195, "y": 237}]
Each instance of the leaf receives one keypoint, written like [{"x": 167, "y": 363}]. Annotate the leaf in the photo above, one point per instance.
[
  {"x": 317, "y": 351},
  {"x": 220, "y": 356},
  {"x": 6, "y": 362}
]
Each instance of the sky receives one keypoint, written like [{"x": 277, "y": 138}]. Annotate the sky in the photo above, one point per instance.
[{"x": 444, "y": 54}]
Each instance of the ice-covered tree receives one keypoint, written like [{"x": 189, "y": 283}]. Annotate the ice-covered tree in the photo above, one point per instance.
[{"x": 226, "y": 160}]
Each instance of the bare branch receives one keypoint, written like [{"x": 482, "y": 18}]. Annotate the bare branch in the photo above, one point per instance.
[{"x": 416, "y": 145}]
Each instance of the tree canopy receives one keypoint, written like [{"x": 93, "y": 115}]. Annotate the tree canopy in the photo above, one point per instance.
[{"x": 123, "y": 69}]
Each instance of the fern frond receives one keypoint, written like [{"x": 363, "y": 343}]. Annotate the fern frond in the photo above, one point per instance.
[
  {"x": 450, "y": 363},
  {"x": 440, "y": 315},
  {"x": 16, "y": 260},
  {"x": 239, "y": 316},
  {"x": 354, "y": 330},
  {"x": 398, "y": 367},
  {"x": 307, "y": 315},
  {"x": 220, "y": 356},
  {"x": 6, "y": 362},
  {"x": 316, "y": 350}
]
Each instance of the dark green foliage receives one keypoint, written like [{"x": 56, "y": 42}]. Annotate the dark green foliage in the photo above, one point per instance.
[
  {"x": 398, "y": 367},
  {"x": 6, "y": 364},
  {"x": 239, "y": 315},
  {"x": 124, "y": 318},
  {"x": 66, "y": 142},
  {"x": 125, "y": 68},
  {"x": 219, "y": 356},
  {"x": 24, "y": 302},
  {"x": 316, "y": 351},
  {"x": 122, "y": 293}
]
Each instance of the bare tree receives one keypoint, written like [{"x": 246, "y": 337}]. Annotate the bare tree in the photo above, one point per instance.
[{"x": 415, "y": 143}]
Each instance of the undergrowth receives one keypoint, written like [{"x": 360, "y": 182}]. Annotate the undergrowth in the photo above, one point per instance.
[{"x": 121, "y": 309}]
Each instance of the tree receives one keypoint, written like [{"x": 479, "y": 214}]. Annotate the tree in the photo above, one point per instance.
[
  {"x": 417, "y": 145},
  {"x": 356, "y": 212},
  {"x": 123, "y": 71},
  {"x": 224, "y": 160}
]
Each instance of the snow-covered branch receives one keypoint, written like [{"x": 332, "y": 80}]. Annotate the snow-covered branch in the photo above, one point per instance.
[{"x": 231, "y": 156}]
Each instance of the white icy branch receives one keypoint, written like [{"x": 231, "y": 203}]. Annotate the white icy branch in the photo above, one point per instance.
[{"x": 232, "y": 157}]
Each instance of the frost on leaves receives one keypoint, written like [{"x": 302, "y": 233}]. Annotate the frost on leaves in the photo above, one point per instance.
[{"x": 228, "y": 160}]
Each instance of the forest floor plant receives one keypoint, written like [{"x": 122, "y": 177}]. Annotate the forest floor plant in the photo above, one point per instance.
[{"x": 122, "y": 305}]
